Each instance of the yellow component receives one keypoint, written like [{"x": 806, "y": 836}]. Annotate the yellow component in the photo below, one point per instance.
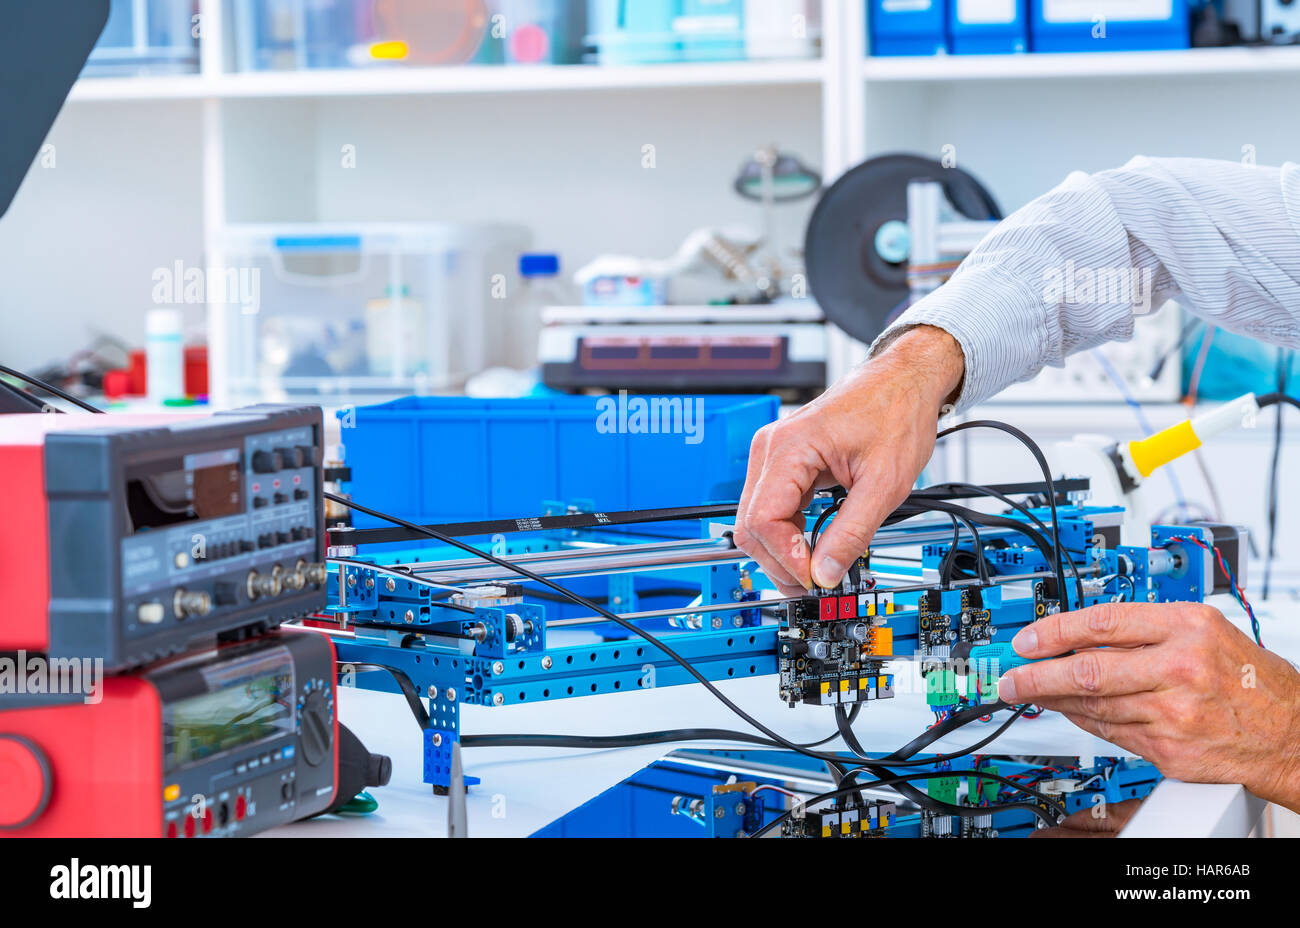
[
  {"x": 1163, "y": 447},
  {"x": 871, "y": 609},
  {"x": 882, "y": 682},
  {"x": 826, "y": 831},
  {"x": 389, "y": 51},
  {"x": 882, "y": 642},
  {"x": 826, "y": 687},
  {"x": 747, "y": 583},
  {"x": 863, "y": 682},
  {"x": 844, "y": 828},
  {"x": 889, "y": 608},
  {"x": 844, "y": 686},
  {"x": 172, "y": 792}
]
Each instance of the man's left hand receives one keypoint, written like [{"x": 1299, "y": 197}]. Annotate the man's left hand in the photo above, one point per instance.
[{"x": 1174, "y": 683}]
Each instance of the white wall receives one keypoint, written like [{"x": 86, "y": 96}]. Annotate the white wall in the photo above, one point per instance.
[{"x": 80, "y": 243}]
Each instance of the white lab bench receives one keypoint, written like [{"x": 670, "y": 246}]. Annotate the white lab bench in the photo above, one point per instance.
[{"x": 524, "y": 789}]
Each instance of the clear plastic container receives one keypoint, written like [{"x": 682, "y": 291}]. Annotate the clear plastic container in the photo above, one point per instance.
[
  {"x": 282, "y": 35},
  {"x": 323, "y": 310},
  {"x": 146, "y": 37}
]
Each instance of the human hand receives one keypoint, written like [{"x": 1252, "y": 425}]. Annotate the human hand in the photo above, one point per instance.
[
  {"x": 1104, "y": 820},
  {"x": 1175, "y": 683},
  {"x": 871, "y": 433}
]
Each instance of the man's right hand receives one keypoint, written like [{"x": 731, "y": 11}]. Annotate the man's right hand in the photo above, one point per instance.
[{"x": 871, "y": 433}]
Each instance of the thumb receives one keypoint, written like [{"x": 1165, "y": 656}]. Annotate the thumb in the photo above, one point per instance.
[{"x": 847, "y": 537}]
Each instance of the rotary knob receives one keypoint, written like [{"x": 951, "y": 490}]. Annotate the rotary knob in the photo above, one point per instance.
[
  {"x": 316, "y": 726},
  {"x": 25, "y": 771}
]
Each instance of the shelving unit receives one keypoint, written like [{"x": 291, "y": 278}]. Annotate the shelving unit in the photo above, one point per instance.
[{"x": 268, "y": 140}]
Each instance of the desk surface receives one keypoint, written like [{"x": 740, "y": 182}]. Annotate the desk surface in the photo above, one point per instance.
[{"x": 524, "y": 789}]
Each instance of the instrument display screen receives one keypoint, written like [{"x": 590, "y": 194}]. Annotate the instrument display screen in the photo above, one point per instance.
[{"x": 245, "y": 702}]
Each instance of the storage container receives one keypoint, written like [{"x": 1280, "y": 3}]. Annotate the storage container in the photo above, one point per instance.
[
  {"x": 146, "y": 37},
  {"x": 988, "y": 27},
  {"x": 711, "y": 30},
  {"x": 1109, "y": 25},
  {"x": 540, "y": 31},
  {"x": 452, "y": 459},
  {"x": 328, "y": 310},
  {"x": 782, "y": 29},
  {"x": 907, "y": 27},
  {"x": 627, "y": 32}
]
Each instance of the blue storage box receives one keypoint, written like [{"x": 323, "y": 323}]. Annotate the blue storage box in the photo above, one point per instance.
[
  {"x": 1109, "y": 25},
  {"x": 712, "y": 30},
  {"x": 456, "y": 459},
  {"x": 146, "y": 37},
  {"x": 907, "y": 27},
  {"x": 627, "y": 32},
  {"x": 988, "y": 27}
]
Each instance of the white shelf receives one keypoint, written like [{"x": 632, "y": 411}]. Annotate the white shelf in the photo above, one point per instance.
[
  {"x": 466, "y": 79},
  {"x": 1189, "y": 62}
]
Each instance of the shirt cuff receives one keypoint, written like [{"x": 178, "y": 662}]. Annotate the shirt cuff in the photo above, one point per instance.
[{"x": 997, "y": 320}]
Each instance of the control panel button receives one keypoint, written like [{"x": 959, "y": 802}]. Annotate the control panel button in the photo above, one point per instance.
[
  {"x": 259, "y": 502},
  {"x": 241, "y": 807},
  {"x": 286, "y": 791},
  {"x": 151, "y": 613},
  {"x": 267, "y": 462},
  {"x": 292, "y": 457},
  {"x": 300, "y": 494}
]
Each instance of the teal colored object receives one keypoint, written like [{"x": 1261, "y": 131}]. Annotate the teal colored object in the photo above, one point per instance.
[
  {"x": 712, "y": 30},
  {"x": 454, "y": 459},
  {"x": 996, "y": 659},
  {"x": 1236, "y": 364},
  {"x": 640, "y": 32}
]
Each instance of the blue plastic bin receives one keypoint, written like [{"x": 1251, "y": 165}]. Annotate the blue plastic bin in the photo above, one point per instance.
[
  {"x": 146, "y": 37},
  {"x": 712, "y": 30},
  {"x": 455, "y": 459},
  {"x": 988, "y": 27},
  {"x": 907, "y": 27},
  {"x": 1129, "y": 25}
]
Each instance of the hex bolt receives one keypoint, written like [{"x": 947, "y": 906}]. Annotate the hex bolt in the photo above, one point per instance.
[
  {"x": 546, "y": 662},
  {"x": 740, "y": 808},
  {"x": 719, "y": 812},
  {"x": 717, "y": 622},
  {"x": 498, "y": 668},
  {"x": 738, "y": 621},
  {"x": 737, "y": 594},
  {"x": 498, "y": 699}
]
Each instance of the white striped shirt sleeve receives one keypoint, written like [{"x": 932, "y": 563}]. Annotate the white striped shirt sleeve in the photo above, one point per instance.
[{"x": 1222, "y": 238}]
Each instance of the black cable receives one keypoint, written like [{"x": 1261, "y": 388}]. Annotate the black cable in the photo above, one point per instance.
[
  {"x": 1028, "y": 514},
  {"x": 605, "y": 613},
  {"x": 1275, "y": 399},
  {"x": 964, "y": 811},
  {"x": 1037, "y": 452},
  {"x": 599, "y": 610},
  {"x": 48, "y": 388},
  {"x": 404, "y": 683}
]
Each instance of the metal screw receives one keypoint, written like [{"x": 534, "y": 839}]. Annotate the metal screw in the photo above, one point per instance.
[
  {"x": 437, "y": 740},
  {"x": 370, "y": 583},
  {"x": 390, "y": 584},
  {"x": 719, "y": 812},
  {"x": 352, "y": 579},
  {"x": 738, "y": 621},
  {"x": 737, "y": 594},
  {"x": 498, "y": 668},
  {"x": 546, "y": 662},
  {"x": 740, "y": 808},
  {"x": 451, "y": 694},
  {"x": 717, "y": 622},
  {"x": 433, "y": 692},
  {"x": 498, "y": 699},
  {"x": 1151, "y": 597},
  {"x": 410, "y": 616}
]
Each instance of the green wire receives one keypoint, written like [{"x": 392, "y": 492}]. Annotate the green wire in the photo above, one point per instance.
[{"x": 360, "y": 804}]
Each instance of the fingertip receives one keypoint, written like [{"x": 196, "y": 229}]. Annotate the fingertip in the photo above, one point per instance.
[
  {"x": 1025, "y": 643},
  {"x": 827, "y": 572},
  {"x": 1007, "y": 688}
]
